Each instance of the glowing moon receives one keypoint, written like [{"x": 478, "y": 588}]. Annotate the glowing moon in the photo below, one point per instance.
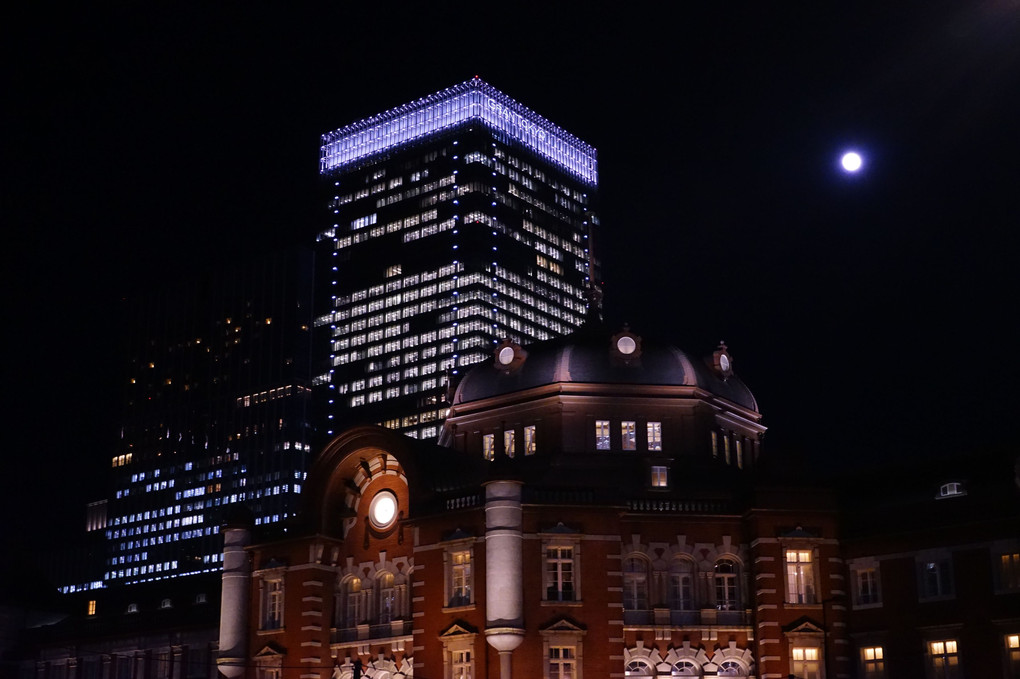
[{"x": 851, "y": 161}]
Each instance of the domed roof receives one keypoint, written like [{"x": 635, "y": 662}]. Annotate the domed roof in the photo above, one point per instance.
[{"x": 594, "y": 355}]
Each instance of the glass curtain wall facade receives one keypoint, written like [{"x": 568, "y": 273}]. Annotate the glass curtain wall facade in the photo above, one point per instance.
[
  {"x": 217, "y": 413},
  {"x": 455, "y": 222}
]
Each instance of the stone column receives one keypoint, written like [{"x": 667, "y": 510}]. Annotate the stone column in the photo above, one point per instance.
[
  {"x": 504, "y": 591},
  {"x": 233, "y": 646}
]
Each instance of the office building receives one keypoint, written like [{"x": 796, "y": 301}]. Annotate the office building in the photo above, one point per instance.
[
  {"x": 217, "y": 413},
  {"x": 454, "y": 222}
]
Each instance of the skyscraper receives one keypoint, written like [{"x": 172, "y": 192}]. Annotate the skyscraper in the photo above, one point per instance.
[
  {"x": 456, "y": 221},
  {"x": 217, "y": 413}
]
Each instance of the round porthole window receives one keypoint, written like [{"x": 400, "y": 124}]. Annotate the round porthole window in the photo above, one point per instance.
[
  {"x": 382, "y": 512},
  {"x": 506, "y": 356},
  {"x": 724, "y": 362},
  {"x": 626, "y": 345}
]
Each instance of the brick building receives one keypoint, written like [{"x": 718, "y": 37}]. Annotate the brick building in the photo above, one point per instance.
[{"x": 597, "y": 506}]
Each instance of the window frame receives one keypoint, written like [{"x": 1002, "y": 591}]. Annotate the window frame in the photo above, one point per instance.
[{"x": 801, "y": 577}]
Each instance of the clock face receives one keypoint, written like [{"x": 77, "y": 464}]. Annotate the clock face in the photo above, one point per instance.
[
  {"x": 382, "y": 512},
  {"x": 626, "y": 345},
  {"x": 724, "y": 362},
  {"x": 505, "y": 356}
]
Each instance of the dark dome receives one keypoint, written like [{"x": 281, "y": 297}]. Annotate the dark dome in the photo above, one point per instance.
[{"x": 588, "y": 356}]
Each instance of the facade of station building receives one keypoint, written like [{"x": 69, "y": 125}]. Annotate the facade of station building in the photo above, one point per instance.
[{"x": 593, "y": 509}]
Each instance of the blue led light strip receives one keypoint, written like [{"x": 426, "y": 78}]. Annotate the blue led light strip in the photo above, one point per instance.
[{"x": 471, "y": 100}]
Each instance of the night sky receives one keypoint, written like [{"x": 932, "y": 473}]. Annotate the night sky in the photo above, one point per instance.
[{"x": 873, "y": 316}]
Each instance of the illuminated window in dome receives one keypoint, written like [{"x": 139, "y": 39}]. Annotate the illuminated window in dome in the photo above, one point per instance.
[
  {"x": 529, "y": 440},
  {"x": 602, "y": 434},
  {"x": 654, "y": 436},
  {"x": 489, "y": 447},
  {"x": 508, "y": 442},
  {"x": 628, "y": 435}
]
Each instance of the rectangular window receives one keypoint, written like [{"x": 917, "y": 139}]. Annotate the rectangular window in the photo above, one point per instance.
[
  {"x": 628, "y": 435},
  {"x": 660, "y": 477},
  {"x": 866, "y": 582},
  {"x": 873, "y": 662},
  {"x": 1013, "y": 654},
  {"x": 655, "y": 436},
  {"x": 1009, "y": 571},
  {"x": 740, "y": 453},
  {"x": 461, "y": 664},
  {"x": 460, "y": 578},
  {"x": 529, "y": 440},
  {"x": 562, "y": 662},
  {"x": 489, "y": 447},
  {"x": 942, "y": 655},
  {"x": 559, "y": 564},
  {"x": 800, "y": 577},
  {"x": 602, "y": 434},
  {"x": 805, "y": 662},
  {"x": 508, "y": 442},
  {"x": 726, "y": 448},
  {"x": 935, "y": 578},
  {"x": 272, "y": 604},
  {"x": 715, "y": 444}
]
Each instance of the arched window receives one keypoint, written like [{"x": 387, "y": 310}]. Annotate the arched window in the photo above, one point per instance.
[
  {"x": 635, "y": 584},
  {"x": 731, "y": 668},
  {"x": 639, "y": 668},
  {"x": 681, "y": 585},
  {"x": 387, "y": 598},
  {"x": 355, "y": 607},
  {"x": 685, "y": 668},
  {"x": 726, "y": 585}
]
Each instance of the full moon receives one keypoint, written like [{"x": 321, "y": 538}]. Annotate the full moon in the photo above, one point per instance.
[{"x": 851, "y": 161}]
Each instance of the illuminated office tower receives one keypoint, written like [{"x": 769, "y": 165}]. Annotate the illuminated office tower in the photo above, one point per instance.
[
  {"x": 217, "y": 414},
  {"x": 455, "y": 222}
]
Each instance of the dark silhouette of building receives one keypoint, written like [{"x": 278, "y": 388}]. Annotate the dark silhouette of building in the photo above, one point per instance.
[{"x": 217, "y": 413}]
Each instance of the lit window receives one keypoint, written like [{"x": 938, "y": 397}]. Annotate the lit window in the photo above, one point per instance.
[
  {"x": 92, "y": 607},
  {"x": 873, "y": 662},
  {"x": 944, "y": 660},
  {"x": 562, "y": 662},
  {"x": 660, "y": 477},
  {"x": 740, "y": 453},
  {"x": 655, "y": 436},
  {"x": 715, "y": 444},
  {"x": 529, "y": 440},
  {"x": 1013, "y": 654},
  {"x": 354, "y": 607},
  {"x": 489, "y": 446},
  {"x": 602, "y": 434},
  {"x": 804, "y": 662},
  {"x": 726, "y": 448},
  {"x": 460, "y": 578},
  {"x": 628, "y": 435},
  {"x": 508, "y": 442},
  {"x": 387, "y": 598},
  {"x": 1009, "y": 571},
  {"x": 559, "y": 572},
  {"x": 800, "y": 577}
]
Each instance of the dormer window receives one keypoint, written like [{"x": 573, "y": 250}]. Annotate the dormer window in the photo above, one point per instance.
[{"x": 951, "y": 489}]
